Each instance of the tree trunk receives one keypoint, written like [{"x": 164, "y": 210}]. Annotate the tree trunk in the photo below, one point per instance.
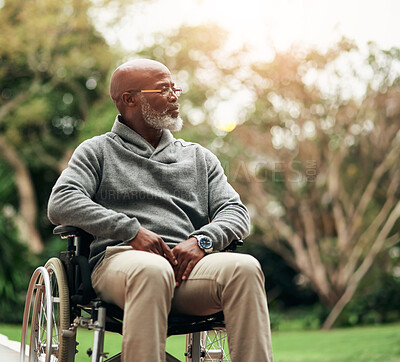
[{"x": 26, "y": 220}]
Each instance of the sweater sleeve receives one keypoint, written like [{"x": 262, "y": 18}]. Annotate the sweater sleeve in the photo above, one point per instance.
[
  {"x": 229, "y": 218},
  {"x": 71, "y": 200}
]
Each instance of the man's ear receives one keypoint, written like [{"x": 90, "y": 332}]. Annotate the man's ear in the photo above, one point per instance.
[{"x": 129, "y": 99}]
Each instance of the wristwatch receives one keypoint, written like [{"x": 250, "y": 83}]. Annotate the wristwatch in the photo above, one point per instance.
[{"x": 204, "y": 243}]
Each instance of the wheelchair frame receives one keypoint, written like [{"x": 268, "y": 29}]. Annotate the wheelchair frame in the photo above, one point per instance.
[{"x": 61, "y": 290}]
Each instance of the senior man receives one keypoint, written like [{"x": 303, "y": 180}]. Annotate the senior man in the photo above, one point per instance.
[{"x": 158, "y": 207}]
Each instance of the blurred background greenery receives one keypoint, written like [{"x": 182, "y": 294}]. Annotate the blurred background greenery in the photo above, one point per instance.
[{"x": 310, "y": 138}]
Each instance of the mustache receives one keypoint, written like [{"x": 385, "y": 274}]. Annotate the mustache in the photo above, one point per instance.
[{"x": 173, "y": 107}]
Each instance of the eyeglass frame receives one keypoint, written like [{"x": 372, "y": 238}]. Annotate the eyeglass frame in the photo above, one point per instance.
[{"x": 176, "y": 91}]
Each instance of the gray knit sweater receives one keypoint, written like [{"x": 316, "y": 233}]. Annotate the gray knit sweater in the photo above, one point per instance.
[{"x": 117, "y": 182}]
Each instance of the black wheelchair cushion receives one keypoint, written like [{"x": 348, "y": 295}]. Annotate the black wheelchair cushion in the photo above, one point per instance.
[{"x": 177, "y": 323}]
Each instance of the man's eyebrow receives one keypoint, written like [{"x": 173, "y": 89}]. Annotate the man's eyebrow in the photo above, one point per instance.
[{"x": 165, "y": 83}]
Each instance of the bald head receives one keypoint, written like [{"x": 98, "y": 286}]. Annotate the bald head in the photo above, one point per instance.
[{"x": 133, "y": 75}]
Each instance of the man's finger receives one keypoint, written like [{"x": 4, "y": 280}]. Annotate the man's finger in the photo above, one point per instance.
[
  {"x": 188, "y": 270},
  {"x": 180, "y": 269},
  {"x": 167, "y": 252}
]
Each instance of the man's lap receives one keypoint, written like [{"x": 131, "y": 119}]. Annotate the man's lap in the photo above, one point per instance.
[{"x": 199, "y": 295}]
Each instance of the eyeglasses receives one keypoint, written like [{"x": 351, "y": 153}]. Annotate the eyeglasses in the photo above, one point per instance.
[{"x": 165, "y": 92}]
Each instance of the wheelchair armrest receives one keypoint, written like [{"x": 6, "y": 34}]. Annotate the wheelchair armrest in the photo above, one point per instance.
[
  {"x": 66, "y": 231},
  {"x": 233, "y": 245}
]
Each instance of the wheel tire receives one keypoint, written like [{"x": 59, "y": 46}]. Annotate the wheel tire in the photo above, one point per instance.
[
  {"x": 60, "y": 316},
  {"x": 214, "y": 343}
]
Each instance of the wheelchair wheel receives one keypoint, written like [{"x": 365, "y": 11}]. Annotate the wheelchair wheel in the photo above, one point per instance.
[
  {"x": 60, "y": 316},
  {"x": 214, "y": 343}
]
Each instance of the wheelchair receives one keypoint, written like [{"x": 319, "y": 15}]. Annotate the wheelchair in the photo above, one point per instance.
[{"x": 60, "y": 299}]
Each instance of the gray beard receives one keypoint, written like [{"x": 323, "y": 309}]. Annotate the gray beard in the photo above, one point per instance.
[{"x": 160, "y": 120}]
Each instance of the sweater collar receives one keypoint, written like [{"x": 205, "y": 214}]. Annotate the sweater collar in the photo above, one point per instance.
[{"x": 143, "y": 147}]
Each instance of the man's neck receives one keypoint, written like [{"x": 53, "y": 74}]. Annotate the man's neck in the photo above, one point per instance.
[{"x": 151, "y": 135}]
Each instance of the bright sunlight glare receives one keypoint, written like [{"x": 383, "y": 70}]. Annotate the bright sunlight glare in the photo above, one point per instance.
[
  {"x": 227, "y": 125},
  {"x": 263, "y": 25},
  {"x": 224, "y": 117}
]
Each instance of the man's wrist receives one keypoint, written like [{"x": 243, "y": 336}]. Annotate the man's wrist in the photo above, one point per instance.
[{"x": 204, "y": 243}]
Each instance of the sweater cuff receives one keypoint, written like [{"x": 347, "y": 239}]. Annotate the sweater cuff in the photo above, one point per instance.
[{"x": 130, "y": 230}]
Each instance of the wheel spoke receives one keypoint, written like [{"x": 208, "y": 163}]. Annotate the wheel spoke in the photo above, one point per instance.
[{"x": 215, "y": 346}]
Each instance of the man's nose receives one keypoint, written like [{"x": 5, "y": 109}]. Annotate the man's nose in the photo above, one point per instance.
[{"x": 172, "y": 97}]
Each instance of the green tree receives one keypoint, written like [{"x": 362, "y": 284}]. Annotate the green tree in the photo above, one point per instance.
[{"x": 53, "y": 67}]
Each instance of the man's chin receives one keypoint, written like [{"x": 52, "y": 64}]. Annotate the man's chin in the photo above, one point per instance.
[{"x": 175, "y": 126}]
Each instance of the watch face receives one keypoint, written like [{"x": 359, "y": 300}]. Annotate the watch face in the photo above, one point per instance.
[{"x": 205, "y": 242}]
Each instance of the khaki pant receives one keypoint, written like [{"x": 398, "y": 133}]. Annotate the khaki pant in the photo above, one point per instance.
[{"x": 143, "y": 285}]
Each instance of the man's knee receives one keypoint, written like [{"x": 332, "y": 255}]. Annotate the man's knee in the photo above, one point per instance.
[
  {"x": 242, "y": 267},
  {"x": 155, "y": 272},
  {"x": 251, "y": 266}
]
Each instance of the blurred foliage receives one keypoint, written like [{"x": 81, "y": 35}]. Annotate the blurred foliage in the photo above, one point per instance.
[
  {"x": 54, "y": 67},
  {"x": 16, "y": 266},
  {"x": 8, "y": 194},
  {"x": 378, "y": 300}
]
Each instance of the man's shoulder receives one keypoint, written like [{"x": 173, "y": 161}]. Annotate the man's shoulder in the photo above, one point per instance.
[
  {"x": 198, "y": 149},
  {"x": 96, "y": 141},
  {"x": 189, "y": 144},
  {"x": 192, "y": 145},
  {"x": 93, "y": 146},
  {"x": 183, "y": 143}
]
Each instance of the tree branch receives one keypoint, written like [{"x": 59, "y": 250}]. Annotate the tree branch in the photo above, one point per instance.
[
  {"x": 319, "y": 274},
  {"x": 370, "y": 233},
  {"x": 370, "y": 190},
  {"x": 333, "y": 189},
  {"x": 364, "y": 267},
  {"x": 300, "y": 256}
]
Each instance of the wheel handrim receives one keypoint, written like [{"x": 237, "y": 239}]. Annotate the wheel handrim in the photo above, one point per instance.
[{"x": 40, "y": 313}]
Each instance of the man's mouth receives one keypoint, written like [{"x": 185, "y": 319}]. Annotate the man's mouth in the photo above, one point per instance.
[{"x": 173, "y": 110}]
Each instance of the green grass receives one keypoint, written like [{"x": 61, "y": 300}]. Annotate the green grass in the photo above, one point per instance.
[{"x": 369, "y": 344}]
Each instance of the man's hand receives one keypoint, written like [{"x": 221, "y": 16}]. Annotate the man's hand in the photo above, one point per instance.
[
  {"x": 146, "y": 240},
  {"x": 188, "y": 254}
]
